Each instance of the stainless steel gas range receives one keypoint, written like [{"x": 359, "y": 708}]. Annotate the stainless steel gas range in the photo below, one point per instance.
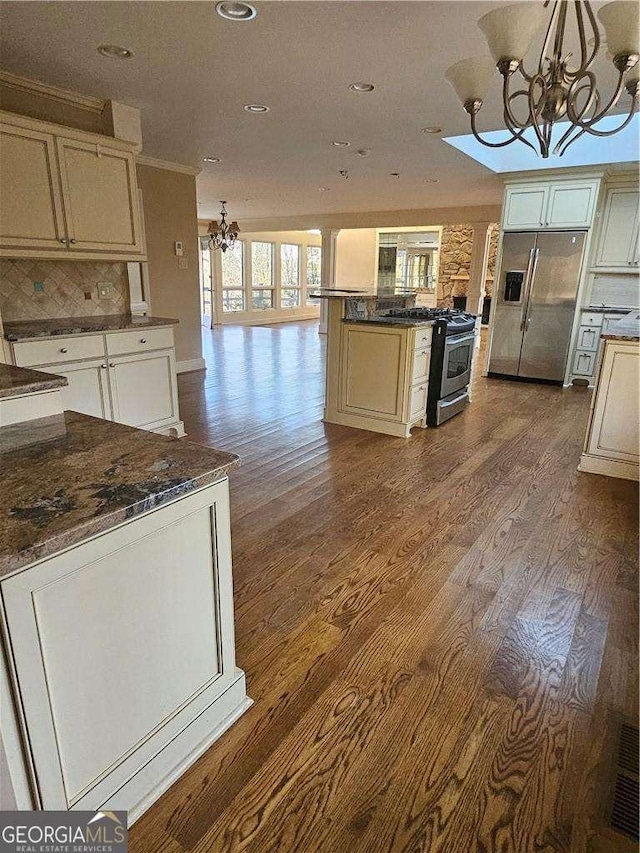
[{"x": 451, "y": 359}]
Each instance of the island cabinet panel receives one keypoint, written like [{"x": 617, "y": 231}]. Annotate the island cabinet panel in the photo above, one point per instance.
[
  {"x": 614, "y": 429},
  {"x": 373, "y": 371},
  {"x": 31, "y": 209},
  {"x": 120, "y": 644}
]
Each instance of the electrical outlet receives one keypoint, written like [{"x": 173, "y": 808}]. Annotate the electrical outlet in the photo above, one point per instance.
[
  {"x": 105, "y": 290},
  {"x": 38, "y": 286},
  {"x": 183, "y": 263}
]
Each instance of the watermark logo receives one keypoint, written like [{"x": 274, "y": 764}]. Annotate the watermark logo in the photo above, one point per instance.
[{"x": 63, "y": 832}]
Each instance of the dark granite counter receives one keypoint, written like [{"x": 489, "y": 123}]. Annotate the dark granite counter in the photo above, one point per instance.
[
  {"x": 391, "y": 321},
  {"x": 600, "y": 309},
  {"x": 68, "y": 477},
  {"x": 625, "y": 329},
  {"x": 15, "y": 381},
  {"x": 21, "y": 330}
]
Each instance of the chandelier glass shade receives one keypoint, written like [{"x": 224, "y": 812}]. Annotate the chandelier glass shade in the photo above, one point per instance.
[
  {"x": 221, "y": 234},
  {"x": 563, "y": 87}
]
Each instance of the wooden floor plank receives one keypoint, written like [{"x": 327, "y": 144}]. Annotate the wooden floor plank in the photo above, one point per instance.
[{"x": 439, "y": 633}]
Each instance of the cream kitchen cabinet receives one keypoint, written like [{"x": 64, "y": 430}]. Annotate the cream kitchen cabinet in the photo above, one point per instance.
[
  {"x": 540, "y": 205},
  {"x": 384, "y": 377},
  {"x": 613, "y": 435},
  {"x": 618, "y": 242},
  {"x": 67, "y": 193},
  {"x": 126, "y": 376}
]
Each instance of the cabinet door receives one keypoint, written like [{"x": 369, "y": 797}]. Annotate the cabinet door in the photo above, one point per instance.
[
  {"x": 614, "y": 429},
  {"x": 144, "y": 391},
  {"x": 617, "y": 246},
  {"x": 100, "y": 197},
  {"x": 373, "y": 371},
  {"x": 31, "y": 208},
  {"x": 571, "y": 205},
  {"x": 524, "y": 207},
  {"x": 87, "y": 391}
]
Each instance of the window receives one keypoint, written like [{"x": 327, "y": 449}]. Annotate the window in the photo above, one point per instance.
[
  {"x": 314, "y": 257},
  {"x": 262, "y": 275},
  {"x": 233, "y": 278},
  {"x": 205, "y": 281},
  {"x": 290, "y": 290}
]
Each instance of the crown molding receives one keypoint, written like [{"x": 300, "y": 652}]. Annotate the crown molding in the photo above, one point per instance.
[
  {"x": 143, "y": 160},
  {"x": 26, "y": 84}
]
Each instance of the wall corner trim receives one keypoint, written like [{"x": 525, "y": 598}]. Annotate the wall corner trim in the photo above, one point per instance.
[
  {"x": 191, "y": 364},
  {"x": 143, "y": 160}
]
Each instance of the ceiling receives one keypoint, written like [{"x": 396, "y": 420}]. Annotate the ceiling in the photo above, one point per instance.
[{"x": 193, "y": 71}]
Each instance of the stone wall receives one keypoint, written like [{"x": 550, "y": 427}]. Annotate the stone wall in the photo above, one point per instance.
[{"x": 455, "y": 262}]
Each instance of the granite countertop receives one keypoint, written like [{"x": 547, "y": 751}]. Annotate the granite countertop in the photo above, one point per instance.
[
  {"x": 625, "y": 329},
  {"x": 406, "y": 322},
  {"x": 340, "y": 293},
  {"x": 20, "y": 330},
  {"x": 16, "y": 381},
  {"x": 70, "y": 476},
  {"x": 601, "y": 309}
]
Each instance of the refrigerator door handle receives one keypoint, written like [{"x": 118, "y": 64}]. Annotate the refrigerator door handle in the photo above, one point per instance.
[{"x": 531, "y": 272}]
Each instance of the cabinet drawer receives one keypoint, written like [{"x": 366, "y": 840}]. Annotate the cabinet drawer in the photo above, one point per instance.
[
  {"x": 418, "y": 401},
  {"x": 420, "y": 369},
  {"x": 57, "y": 350},
  {"x": 584, "y": 363},
  {"x": 139, "y": 340},
  {"x": 423, "y": 338},
  {"x": 591, "y": 319},
  {"x": 588, "y": 337}
]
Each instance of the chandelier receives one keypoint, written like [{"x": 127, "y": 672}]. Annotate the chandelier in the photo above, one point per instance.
[
  {"x": 561, "y": 88},
  {"x": 221, "y": 235}
]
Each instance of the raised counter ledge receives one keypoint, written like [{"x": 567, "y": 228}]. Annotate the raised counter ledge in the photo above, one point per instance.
[
  {"x": 625, "y": 329},
  {"x": 22, "y": 330},
  {"x": 71, "y": 476},
  {"x": 390, "y": 321},
  {"x": 16, "y": 381}
]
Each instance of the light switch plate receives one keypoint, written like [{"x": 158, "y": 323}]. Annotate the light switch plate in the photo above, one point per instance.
[
  {"x": 179, "y": 248},
  {"x": 105, "y": 290}
]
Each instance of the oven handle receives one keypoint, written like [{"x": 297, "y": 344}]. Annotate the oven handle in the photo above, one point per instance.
[
  {"x": 444, "y": 403},
  {"x": 462, "y": 338}
]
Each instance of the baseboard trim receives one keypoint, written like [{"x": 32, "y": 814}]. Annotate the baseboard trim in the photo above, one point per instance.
[
  {"x": 191, "y": 364},
  {"x": 590, "y": 464}
]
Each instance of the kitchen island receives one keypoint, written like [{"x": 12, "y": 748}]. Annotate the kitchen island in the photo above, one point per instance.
[
  {"x": 612, "y": 442},
  {"x": 377, "y": 369},
  {"x": 118, "y": 662}
]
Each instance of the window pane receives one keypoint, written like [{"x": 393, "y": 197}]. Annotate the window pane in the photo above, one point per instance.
[
  {"x": 262, "y": 265},
  {"x": 289, "y": 265},
  {"x": 290, "y": 298},
  {"x": 232, "y": 266},
  {"x": 205, "y": 280},
  {"x": 232, "y": 300},
  {"x": 314, "y": 255},
  {"x": 262, "y": 298}
]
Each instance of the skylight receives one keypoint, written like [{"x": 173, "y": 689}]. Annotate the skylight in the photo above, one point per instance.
[{"x": 623, "y": 147}]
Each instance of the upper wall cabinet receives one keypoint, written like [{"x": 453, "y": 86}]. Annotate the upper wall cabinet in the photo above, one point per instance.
[
  {"x": 66, "y": 193},
  {"x": 559, "y": 204},
  {"x": 618, "y": 244}
]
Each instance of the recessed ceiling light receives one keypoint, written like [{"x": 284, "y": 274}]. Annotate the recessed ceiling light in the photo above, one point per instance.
[
  {"x": 394, "y": 174},
  {"x": 211, "y": 159},
  {"x": 431, "y": 128},
  {"x": 362, "y": 87},
  {"x": 363, "y": 152},
  {"x": 236, "y": 11},
  {"x": 323, "y": 189},
  {"x": 339, "y": 144},
  {"x": 114, "y": 51},
  {"x": 431, "y": 180},
  {"x": 256, "y": 108}
]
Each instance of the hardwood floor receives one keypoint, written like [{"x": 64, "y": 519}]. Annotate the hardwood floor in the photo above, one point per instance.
[{"x": 440, "y": 633}]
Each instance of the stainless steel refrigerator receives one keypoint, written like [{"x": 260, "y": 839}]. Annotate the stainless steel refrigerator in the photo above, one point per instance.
[{"x": 535, "y": 304}]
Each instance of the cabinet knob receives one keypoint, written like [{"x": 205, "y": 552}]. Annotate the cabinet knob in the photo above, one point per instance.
[
  {"x": 143, "y": 340},
  {"x": 63, "y": 349},
  {"x": 103, "y": 366},
  {"x": 62, "y": 240},
  {"x": 111, "y": 364},
  {"x": 72, "y": 240}
]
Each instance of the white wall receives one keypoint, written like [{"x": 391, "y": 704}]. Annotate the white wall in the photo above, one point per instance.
[{"x": 356, "y": 258}]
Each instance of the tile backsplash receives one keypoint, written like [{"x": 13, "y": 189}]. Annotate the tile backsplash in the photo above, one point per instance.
[{"x": 64, "y": 284}]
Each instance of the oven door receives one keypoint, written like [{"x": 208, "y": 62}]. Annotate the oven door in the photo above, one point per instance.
[{"x": 456, "y": 365}]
